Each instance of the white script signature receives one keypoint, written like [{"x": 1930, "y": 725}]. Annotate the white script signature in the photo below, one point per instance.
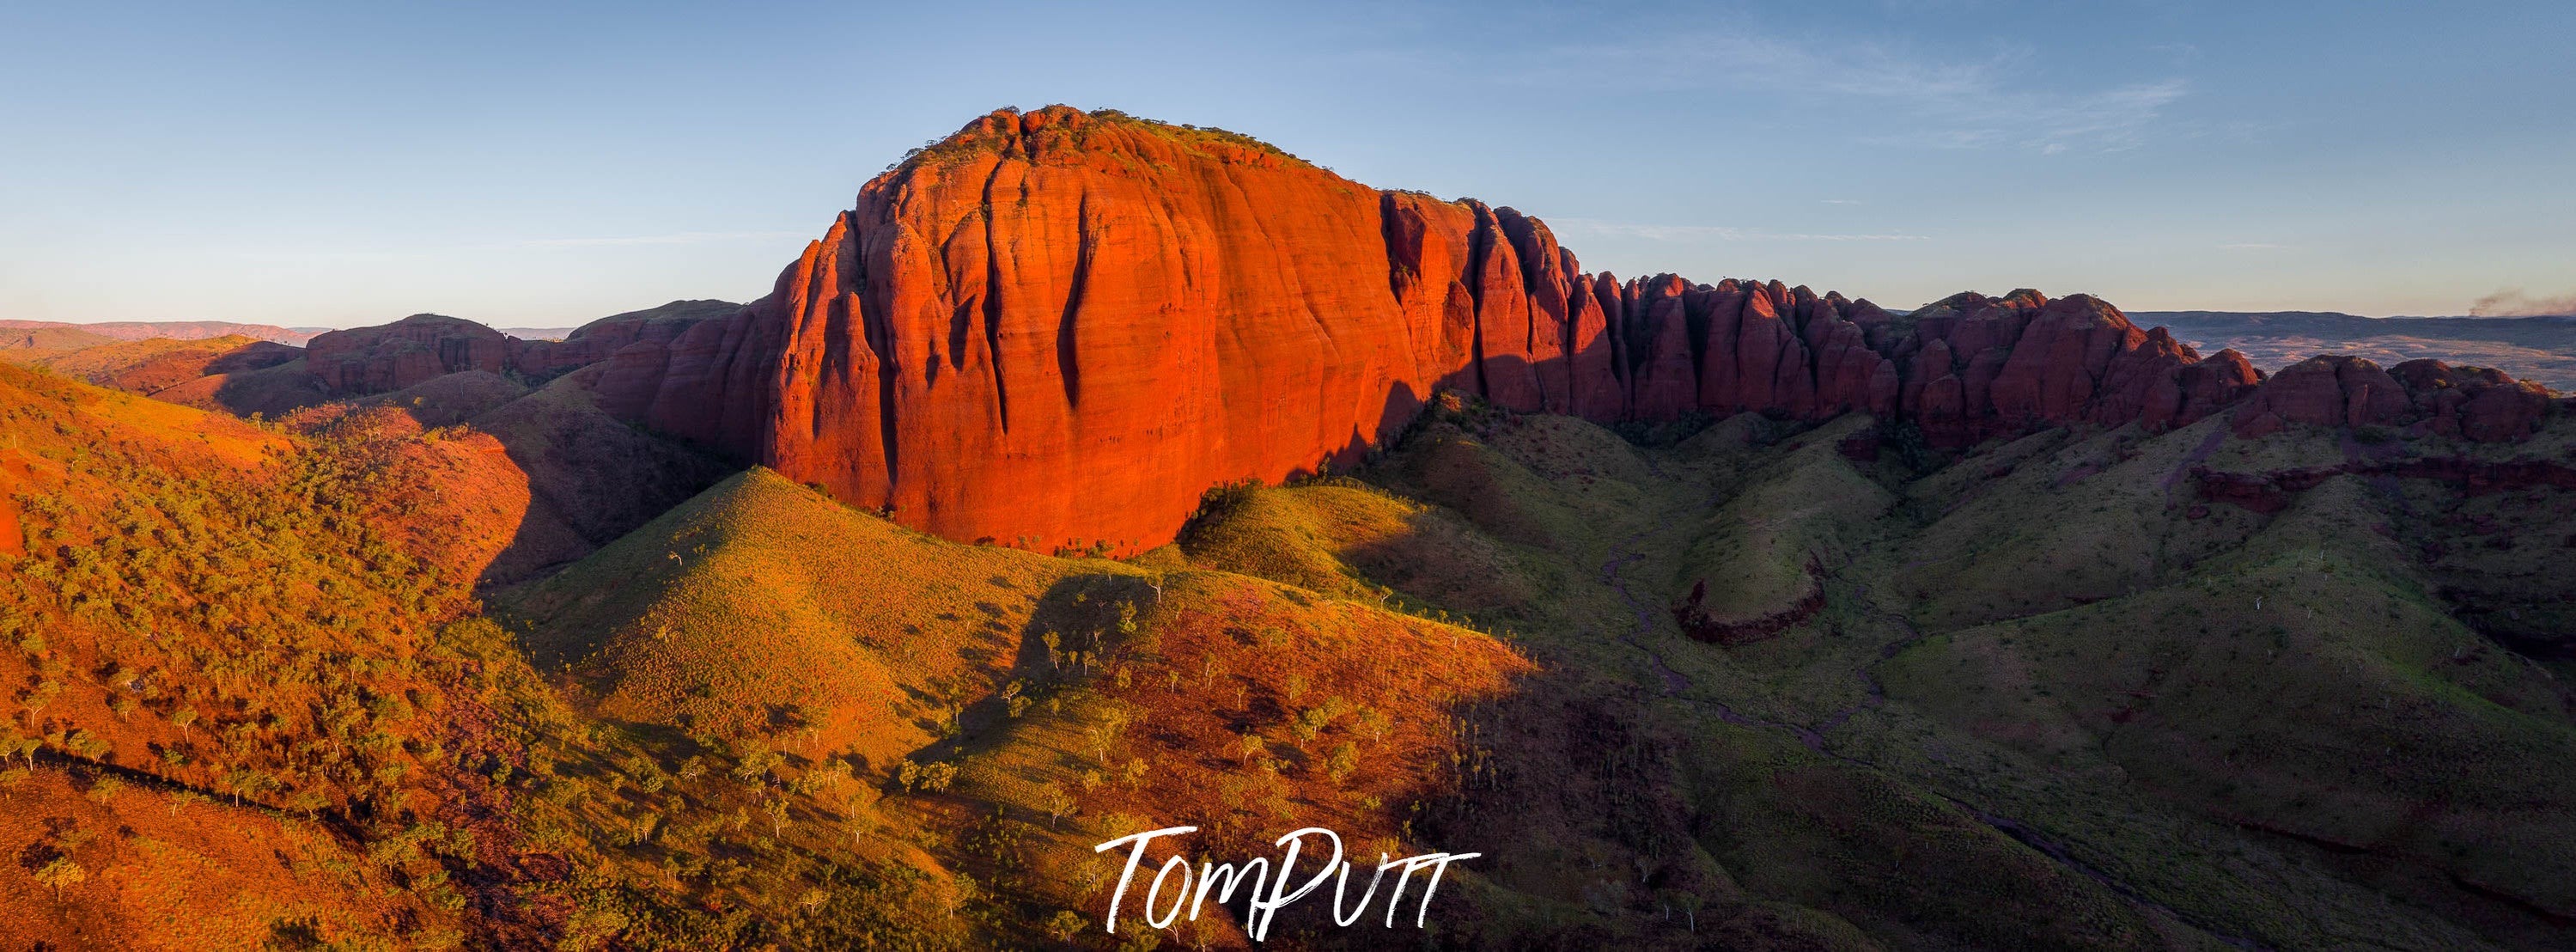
[{"x": 1263, "y": 906}]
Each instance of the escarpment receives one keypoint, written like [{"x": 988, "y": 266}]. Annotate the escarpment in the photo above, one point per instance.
[
  {"x": 389, "y": 357},
  {"x": 1057, "y": 329}
]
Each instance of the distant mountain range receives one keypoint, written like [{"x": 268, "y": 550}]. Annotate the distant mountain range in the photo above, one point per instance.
[
  {"x": 201, "y": 330},
  {"x": 2539, "y": 349},
  {"x": 174, "y": 330}
]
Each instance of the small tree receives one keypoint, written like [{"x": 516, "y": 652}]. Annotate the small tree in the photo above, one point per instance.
[
  {"x": 1104, "y": 735},
  {"x": 310, "y": 802},
  {"x": 1065, "y": 925},
  {"x": 87, "y": 745},
  {"x": 60, "y": 873},
  {"x": 1059, "y": 802},
  {"x": 182, "y": 719},
  {"x": 11, "y": 743},
  {"x": 1375, "y": 724},
  {"x": 1342, "y": 761},
  {"x": 1689, "y": 903},
  {"x": 936, "y": 777},
  {"x": 240, "y": 781}
]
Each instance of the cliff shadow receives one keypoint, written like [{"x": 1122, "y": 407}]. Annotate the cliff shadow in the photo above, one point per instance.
[{"x": 1080, "y": 629}]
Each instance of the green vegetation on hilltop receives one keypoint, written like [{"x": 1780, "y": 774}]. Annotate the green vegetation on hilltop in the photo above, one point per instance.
[
  {"x": 2036, "y": 669},
  {"x": 1076, "y": 136}
]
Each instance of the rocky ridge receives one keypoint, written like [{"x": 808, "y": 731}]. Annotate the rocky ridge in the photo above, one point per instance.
[
  {"x": 1056, "y": 329},
  {"x": 389, "y": 357}
]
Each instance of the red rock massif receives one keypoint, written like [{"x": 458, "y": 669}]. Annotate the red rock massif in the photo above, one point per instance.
[{"x": 1057, "y": 329}]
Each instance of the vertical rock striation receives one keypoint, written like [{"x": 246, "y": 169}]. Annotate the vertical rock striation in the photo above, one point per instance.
[{"x": 1057, "y": 329}]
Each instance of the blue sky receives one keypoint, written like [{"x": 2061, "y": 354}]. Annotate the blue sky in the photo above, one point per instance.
[{"x": 334, "y": 164}]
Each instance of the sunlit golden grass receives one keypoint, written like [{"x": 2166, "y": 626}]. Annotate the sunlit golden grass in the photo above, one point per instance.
[
  {"x": 1357, "y": 542},
  {"x": 765, "y": 607},
  {"x": 144, "y": 366},
  {"x": 159, "y": 870}
]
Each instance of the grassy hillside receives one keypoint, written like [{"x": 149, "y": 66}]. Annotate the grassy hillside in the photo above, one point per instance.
[
  {"x": 156, "y": 364},
  {"x": 237, "y": 374},
  {"x": 189, "y": 606},
  {"x": 2034, "y": 669},
  {"x": 1734, "y": 686},
  {"x": 148, "y": 866},
  {"x": 762, "y": 607},
  {"x": 902, "y": 689}
]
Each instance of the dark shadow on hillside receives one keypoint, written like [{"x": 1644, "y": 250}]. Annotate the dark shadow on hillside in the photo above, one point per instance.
[
  {"x": 590, "y": 476},
  {"x": 1071, "y": 637},
  {"x": 270, "y": 391}
]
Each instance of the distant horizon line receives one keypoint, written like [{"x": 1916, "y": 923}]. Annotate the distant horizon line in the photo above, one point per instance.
[{"x": 320, "y": 328}]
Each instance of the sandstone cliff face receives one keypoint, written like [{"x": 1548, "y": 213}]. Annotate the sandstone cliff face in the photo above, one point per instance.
[{"x": 1057, "y": 330}]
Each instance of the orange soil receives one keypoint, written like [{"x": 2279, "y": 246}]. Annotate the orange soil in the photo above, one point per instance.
[
  {"x": 168, "y": 874},
  {"x": 1242, "y": 647}
]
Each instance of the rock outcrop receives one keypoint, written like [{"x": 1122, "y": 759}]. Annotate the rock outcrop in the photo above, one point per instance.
[
  {"x": 1057, "y": 329},
  {"x": 389, "y": 357},
  {"x": 542, "y": 360},
  {"x": 2423, "y": 396},
  {"x": 1981, "y": 367},
  {"x": 409, "y": 351}
]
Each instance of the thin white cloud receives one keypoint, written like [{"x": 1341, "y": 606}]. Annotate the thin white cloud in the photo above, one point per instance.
[
  {"x": 1687, "y": 233},
  {"x": 1946, "y": 100},
  {"x": 1839, "y": 201},
  {"x": 2250, "y": 246}
]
